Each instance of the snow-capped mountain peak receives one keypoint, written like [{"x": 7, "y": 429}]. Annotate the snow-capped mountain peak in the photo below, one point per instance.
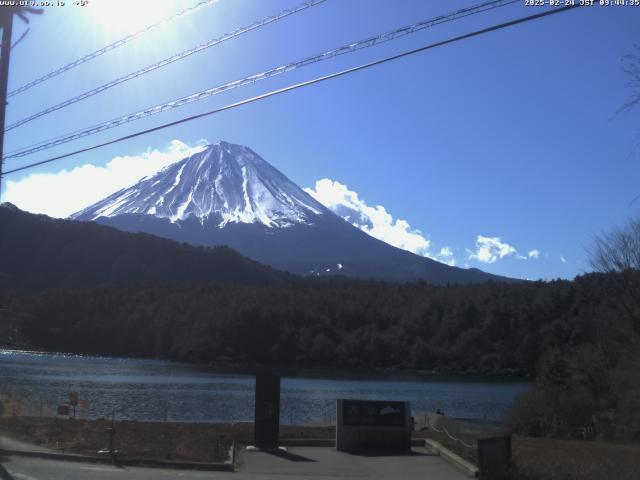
[{"x": 225, "y": 182}]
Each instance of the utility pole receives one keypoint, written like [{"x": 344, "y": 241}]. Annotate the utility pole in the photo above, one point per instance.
[
  {"x": 6, "y": 21},
  {"x": 5, "y": 52}
]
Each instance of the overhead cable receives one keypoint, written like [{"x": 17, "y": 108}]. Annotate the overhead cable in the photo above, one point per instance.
[
  {"x": 165, "y": 62},
  {"x": 108, "y": 48},
  {"x": 300, "y": 85},
  {"x": 348, "y": 48}
]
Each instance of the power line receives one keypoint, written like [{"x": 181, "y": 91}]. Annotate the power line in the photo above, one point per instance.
[
  {"x": 348, "y": 48},
  {"x": 6, "y": 22},
  {"x": 108, "y": 48},
  {"x": 302, "y": 84},
  {"x": 166, "y": 61},
  {"x": 24, "y": 34}
]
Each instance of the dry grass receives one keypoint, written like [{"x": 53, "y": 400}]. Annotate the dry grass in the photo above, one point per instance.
[
  {"x": 553, "y": 459},
  {"x": 157, "y": 440},
  {"x": 550, "y": 459}
]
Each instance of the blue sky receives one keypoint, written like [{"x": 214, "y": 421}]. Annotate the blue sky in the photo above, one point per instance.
[{"x": 491, "y": 148}]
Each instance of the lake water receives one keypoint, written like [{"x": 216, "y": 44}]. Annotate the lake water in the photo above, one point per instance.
[{"x": 157, "y": 390}]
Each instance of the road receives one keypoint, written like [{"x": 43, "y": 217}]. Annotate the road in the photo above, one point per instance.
[
  {"x": 27, "y": 468},
  {"x": 318, "y": 463},
  {"x": 327, "y": 463}
]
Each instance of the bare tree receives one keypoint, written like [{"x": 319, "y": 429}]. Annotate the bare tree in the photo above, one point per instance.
[
  {"x": 618, "y": 250},
  {"x": 631, "y": 66}
]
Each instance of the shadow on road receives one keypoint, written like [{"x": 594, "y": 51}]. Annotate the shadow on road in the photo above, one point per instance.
[{"x": 292, "y": 457}]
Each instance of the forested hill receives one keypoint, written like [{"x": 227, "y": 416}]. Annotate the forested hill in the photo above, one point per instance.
[
  {"x": 489, "y": 329},
  {"x": 41, "y": 252}
]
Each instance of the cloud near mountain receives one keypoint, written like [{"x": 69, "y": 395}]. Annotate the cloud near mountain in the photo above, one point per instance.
[
  {"x": 375, "y": 221},
  {"x": 492, "y": 249},
  {"x": 88, "y": 183},
  {"x": 40, "y": 193}
]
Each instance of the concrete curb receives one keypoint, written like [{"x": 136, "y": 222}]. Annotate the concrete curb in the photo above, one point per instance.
[
  {"x": 4, "y": 475},
  {"x": 225, "y": 467},
  {"x": 452, "y": 458},
  {"x": 327, "y": 442}
]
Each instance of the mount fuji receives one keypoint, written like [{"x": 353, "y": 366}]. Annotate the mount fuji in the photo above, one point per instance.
[{"x": 227, "y": 194}]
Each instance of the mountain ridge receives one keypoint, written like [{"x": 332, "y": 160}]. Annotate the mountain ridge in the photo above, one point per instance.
[
  {"x": 266, "y": 196},
  {"x": 227, "y": 194},
  {"x": 86, "y": 254}
]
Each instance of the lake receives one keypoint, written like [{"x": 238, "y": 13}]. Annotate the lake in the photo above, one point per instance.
[{"x": 136, "y": 389}]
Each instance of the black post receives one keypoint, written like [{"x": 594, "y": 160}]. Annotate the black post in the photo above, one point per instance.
[
  {"x": 267, "y": 415},
  {"x": 5, "y": 51},
  {"x": 494, "y": 458}
]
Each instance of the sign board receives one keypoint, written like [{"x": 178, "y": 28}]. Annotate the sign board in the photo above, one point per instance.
[
  {"x": 373, "y": 425},
  {"x": 494, "y": 456},
  {"x": 63, "y": 410},
  {"x": 373, "y": 413},
  {"x": 267, "y": 414},
  {"x": 73, "y": 398}
]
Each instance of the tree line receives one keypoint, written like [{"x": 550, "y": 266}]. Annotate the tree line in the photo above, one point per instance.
[{"x": 490, "y": 328}]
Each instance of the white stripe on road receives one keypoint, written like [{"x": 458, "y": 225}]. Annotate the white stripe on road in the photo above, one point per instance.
[
  {"x": 103, "y": 469},
  {"x": 21, "y": 476}
]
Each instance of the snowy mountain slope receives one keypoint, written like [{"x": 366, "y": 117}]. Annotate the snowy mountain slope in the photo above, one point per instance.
[
  {"x": 228, "y": 195},
  {"x": 226, "y": 181}
]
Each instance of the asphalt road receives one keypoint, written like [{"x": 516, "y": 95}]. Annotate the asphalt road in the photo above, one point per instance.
[
  {"x": 318, "y": 463},
  {"x": 327, "y": 463},
  {"x": 26, "y": 468}
]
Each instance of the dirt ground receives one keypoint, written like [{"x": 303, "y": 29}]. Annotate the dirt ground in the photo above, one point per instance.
[{"x": 157, "y": 440}]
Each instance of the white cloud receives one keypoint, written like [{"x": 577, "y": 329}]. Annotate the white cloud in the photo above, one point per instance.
[
  {"x": 375, "y": 221},
  {"x": 562, "y": 259},
  {"x": 490, "y": 249},
  {"x": 65, "y": 192},
  {"x": 446, "y": 256}
]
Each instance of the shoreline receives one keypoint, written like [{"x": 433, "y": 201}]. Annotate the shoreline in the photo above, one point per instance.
[{"x": 325, "y": 373}]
